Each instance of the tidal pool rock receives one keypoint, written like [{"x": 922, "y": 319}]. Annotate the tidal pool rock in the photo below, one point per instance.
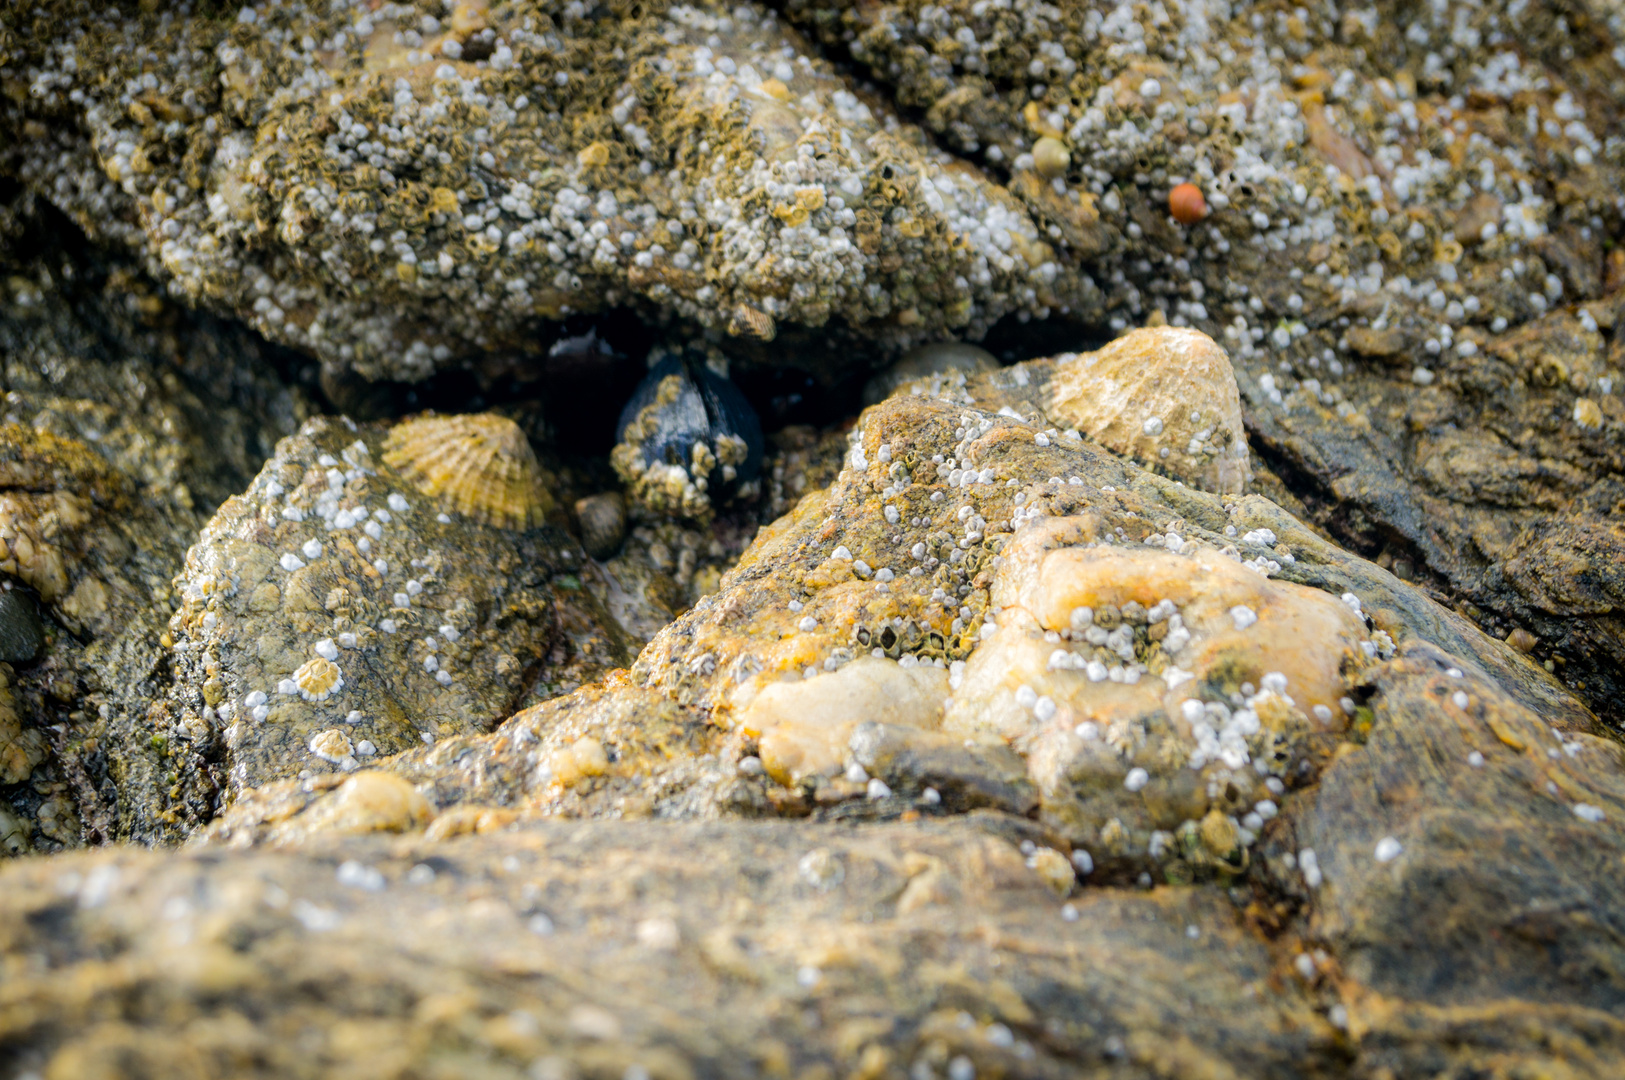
[
  {"x": 602, "y": 521},
  {"x": 804, "y": 725},
  {"x": 1306, "y": 893},
  {"x": 22, "y": 635},
  {"x": 1164, "y": 396},
  {"x": 335, "y": 597},
  {"x": 404, "y": 233}
]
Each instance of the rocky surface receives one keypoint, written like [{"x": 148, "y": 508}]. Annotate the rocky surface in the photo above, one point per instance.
[
  {"x": 1405, "y": 249},
  {"x": 334, "y": 613},
  {"x": 127, "y": 419},
  {"x": 1144, "y": 709},
  {"x": 396, "y": 188}
]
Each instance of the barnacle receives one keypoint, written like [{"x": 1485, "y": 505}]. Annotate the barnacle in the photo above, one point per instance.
[{"x": 318, "y": 679}]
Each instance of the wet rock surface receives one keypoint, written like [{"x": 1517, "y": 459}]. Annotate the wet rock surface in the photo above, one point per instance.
[
  {"x": 334, "y": 613},
  {"x": 1145, "y": 709},
  {"x": 127, "y": 419}
]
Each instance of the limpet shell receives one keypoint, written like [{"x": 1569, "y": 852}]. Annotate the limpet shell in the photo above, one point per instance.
[
  {"x": 481, "y": 465},
  {"x": 1165, "y": 396}
]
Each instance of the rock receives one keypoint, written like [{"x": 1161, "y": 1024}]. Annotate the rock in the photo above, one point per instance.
[
  {"x": 288, "y": 814},
  {"x": 127, "y": 420},
  {"x": 966, "y": 774},
  {"x": 946, "y": 358},
  {"x": 1165, "y": 397},
  {"x": 1332, "y": 289},
  {"x": 510, "y": 181},
  {"x": 21, "y": 633},
  {"x": 804, "y": 725},
  {"x": 333, "y": 597},
  {"x": 602, "y": 521}
]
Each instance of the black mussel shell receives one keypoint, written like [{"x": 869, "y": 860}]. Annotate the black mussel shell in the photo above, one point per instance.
[{"x": 707, "y": 409}]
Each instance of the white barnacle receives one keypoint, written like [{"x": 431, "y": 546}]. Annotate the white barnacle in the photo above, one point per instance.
[
  {"x": 397, "y": 502},
  {"x": 1243, "y": 616},
  {"x": 291, "y": 562},
  {"x": 1136, "y": 779},
  {"x": 327, "y": 650},
  {"x": 1388, "y": 849}
]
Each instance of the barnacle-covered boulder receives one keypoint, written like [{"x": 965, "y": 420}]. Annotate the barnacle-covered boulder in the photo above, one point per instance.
[
  {"x": 1016, "y": 686},
  {"x": 335, "y": 613},
  {"x": 398, "y": 190}
]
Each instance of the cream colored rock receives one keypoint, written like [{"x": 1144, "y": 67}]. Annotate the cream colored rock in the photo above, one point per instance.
[
  {"x": 1165, "y": 396},
  {"x": 368, "y": 802},
  {"x": 1151, "y": 688},
  {"x": 804, "y": 724}
]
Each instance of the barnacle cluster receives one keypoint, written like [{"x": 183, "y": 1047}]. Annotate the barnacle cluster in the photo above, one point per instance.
[{"x": 394, "y": 189}]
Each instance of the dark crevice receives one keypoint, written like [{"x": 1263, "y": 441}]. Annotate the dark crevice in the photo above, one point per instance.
[{"x": 1351, "y": 525}]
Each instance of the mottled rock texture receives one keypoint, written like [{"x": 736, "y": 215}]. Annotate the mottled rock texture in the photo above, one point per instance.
[
  {"x": 991, "y": 753},
  {"x": 127, "y": 420}
]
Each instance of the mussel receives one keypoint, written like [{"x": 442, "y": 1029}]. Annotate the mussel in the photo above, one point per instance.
[{"x": 689, "y": 441}]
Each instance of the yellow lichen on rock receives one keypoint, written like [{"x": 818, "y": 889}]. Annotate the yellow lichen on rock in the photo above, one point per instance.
[
  {"x": 482, "y": 466},
  {"x": 30, "y": 527},
  {"x": 1165, "y": 396},
  {"x": 20, "y": 748}
]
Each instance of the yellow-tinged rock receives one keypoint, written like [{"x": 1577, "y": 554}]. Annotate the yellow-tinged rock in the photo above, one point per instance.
[
  {"x": 368, "y": 802},
  {"x": 804, "y": 724}
]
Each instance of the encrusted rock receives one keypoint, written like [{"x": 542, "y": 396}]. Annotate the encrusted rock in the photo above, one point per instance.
[
  {"x": 804, "y": 725},
  {"x": 602, "y": 519},
  {"x": 334, "y": 596},
  {"x": 398, "y": 199}
]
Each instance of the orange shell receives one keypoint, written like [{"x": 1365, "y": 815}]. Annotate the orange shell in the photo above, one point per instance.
[
  {"x": 1186, "y": 204},
  {"x": 482, "y": 466}
]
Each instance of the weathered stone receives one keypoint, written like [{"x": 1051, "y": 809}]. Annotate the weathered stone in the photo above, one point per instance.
[{"x": 385, "y": 620}]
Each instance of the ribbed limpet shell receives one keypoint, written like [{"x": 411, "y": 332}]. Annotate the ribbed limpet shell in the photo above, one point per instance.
[
  {"x": 1164, "y": 395},
  {"x": 481, "y": 465}
]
